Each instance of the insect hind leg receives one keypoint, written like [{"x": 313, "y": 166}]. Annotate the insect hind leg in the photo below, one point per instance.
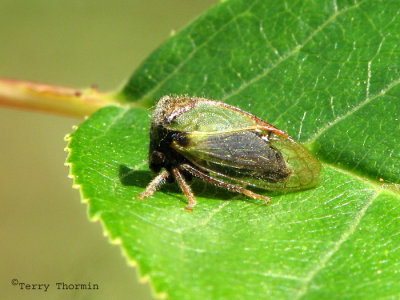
[{"x": 222, "y": 184}]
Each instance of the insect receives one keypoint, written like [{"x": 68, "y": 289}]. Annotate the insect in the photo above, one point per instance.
[{"x": 225, "y": 146}]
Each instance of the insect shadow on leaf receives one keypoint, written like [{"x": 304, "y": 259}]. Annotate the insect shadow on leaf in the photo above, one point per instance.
[{"x": 130, "y": 177}]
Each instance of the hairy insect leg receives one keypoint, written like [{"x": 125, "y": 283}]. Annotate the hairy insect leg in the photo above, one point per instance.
[
  {"x": 222, "y": 184},
  {"x": 185, "y": 189},
  {"x": 154, "y": 184}
]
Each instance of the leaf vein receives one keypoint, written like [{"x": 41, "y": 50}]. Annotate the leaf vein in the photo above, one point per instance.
[
  {"x": 345, "y": 236},
  {"x": 210, "y": 216},
  {"x": 114, "y": 121},
  {"x": 352, "y": 111},
  {"x": 191, "y": 54},
  {"x": 291, "y": 53}
]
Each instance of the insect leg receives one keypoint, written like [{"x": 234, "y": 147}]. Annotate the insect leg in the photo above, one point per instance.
[
  {"x": 185, "y": 189},
  {"x": 222, "y": 184},
  {"x": 154, "y": 184}
]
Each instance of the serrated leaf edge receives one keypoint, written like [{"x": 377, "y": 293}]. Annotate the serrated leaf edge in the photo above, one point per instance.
[{"x": 144, "y": 279}]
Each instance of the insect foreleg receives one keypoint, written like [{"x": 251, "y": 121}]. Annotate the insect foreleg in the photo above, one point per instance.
[{"x": 154, "y": 184}]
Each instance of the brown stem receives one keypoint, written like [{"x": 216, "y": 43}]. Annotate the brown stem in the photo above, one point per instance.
[{"x": 50, "y": 98}]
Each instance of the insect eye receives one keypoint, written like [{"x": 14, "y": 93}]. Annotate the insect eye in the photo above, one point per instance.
[{"x": 157, "y": 158}]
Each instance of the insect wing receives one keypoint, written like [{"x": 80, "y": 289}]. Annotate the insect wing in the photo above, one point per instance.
[
  {"x": 233, "y": 144},
  {"x": 254, "y": 157},
  {"x": 305, "y": 168}
]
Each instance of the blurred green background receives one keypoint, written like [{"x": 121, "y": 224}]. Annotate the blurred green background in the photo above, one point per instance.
[{"x": 44, "y": 230}]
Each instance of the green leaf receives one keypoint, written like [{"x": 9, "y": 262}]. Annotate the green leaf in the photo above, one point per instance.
[{"x": 327, "y": 73}]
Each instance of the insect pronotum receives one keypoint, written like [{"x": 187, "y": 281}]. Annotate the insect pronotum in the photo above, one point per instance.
[{"x": 224, "y": 146}]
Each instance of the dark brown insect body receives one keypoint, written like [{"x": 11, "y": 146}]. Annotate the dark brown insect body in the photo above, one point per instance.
[{"x": 225, "y": 146}]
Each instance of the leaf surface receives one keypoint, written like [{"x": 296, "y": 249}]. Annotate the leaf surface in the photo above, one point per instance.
[{"x": 328, "y": 74}]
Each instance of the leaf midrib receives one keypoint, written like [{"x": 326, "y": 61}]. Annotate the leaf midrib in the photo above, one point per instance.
[{"x": 379, "y": 187}]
